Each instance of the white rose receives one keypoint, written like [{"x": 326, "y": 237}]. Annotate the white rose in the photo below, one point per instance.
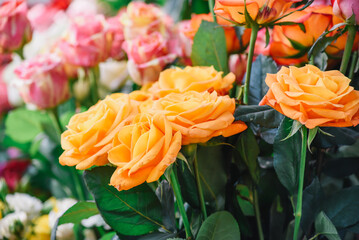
[{"x": 7, "y": 223}]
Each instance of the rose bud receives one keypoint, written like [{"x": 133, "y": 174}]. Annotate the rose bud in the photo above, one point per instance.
[
  {"x": 15, "y": 28},
  {"x": 346, "y": 8},
  {"x": 43, "y": 81}
]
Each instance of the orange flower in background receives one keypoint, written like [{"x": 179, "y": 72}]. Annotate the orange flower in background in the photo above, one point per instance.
[
  {"x": 90, "y": 134},
  {"x": 143, "y": 150},
  {"x": 261, "y": 11},
  {"x": 312, "y": 97},
  {"x": 232, "y": 42},
  {"x": 290, "y": 44},
  {"x": 198, "y": 79},
  {"x": 199, "y": 116}
]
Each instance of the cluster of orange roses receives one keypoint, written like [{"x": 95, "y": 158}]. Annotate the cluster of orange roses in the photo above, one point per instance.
[{"x": 142, "y": 132}]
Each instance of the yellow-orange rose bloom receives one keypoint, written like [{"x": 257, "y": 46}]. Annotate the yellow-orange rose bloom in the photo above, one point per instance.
[
  {"x": 199, "y": 116},
  {"x": 143, "y": 150},
  {"x": 198, "y": 79},
  {"x": 261, "y": 11},
  {"x": 90, "y": 134},
  {"x": 312, "y": 97}
]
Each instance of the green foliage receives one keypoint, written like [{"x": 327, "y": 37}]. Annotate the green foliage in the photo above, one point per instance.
[
  {"x": 287, "y": 156},
  {"x": 264, "y": 116},
  {"x": 209, "y": 47},
  {"x": 219, "y": 226},
  {"x": 323, "y": 226},
  {"x": 24, "y": 125},
  {"x": 78, "y": 212},
  {"x": 133, "y": 212}
]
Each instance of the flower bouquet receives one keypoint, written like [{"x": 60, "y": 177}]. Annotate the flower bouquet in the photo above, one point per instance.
[{"x": 179, "y": 119}]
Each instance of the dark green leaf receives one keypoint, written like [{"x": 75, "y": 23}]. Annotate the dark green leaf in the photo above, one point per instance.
[
  {"x": 301, "y": 25},
  {"x": 219, "y": 226},
  {"x": 208, "y": 47},
  {"x": 294, "y": 129},
  {"x": 341, "y": 167},
  {"x": 133, "y": 212},
  {"x": 342, "y": 208},
  {"x": 313, "y": 197},
  {"x": 23, "y": 125},
  {"x": 257, "y": 86},
  {"x": 287, "y": 156},
  {"x": 248, "y": 149},
  {"x": 265, "y": 116},
  {"x": 200, "y": 6},
  {"x": 165, "y": 195},
  {"x": 340, "y": 136},
  {"x": 321, "y": 60},
  {"x": 78, "y": 212},
  {"x": 244, "y": 200},
  {"x": 323, "y": 226}
]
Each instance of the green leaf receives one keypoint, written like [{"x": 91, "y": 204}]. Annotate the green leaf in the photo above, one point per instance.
[
  {"x": 244, "y": 200},
  {"x": 23, "y": 125},
  {"x": 287, "y": 156},
  {"x": 311, "y": 136},
  {"x": 133, "y": 212},
  {"x": 301, "y": 25},
  {"x": 323, "y": 41},
  {"x": 248, "y": 149},
  {"x": 200, "y": 6},
  {"x": 257, "y": 86},
  {"x": 165, "y": 195},
  {"x": 78, "y": 212},
  {"x": 321, "y": 60},
  {"x": 209, "y": 47},
  {"x": 348, "y": 166},
  {"x": 294, "y": 129},
  {"x": 265, "y": 116},
  {"x": 323, "y": 226},
  {"x": 313, "y": 197},
  {"x": 108, "y": 236},
  {"x": 219, "y": 226},
  {"x": 343, "y": 207}
]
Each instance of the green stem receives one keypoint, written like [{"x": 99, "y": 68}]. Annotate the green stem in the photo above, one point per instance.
[
  {"x": 298, "y": 209},
  {"x": 80, "y": 192},
  {"x": 211, "y": 8},
  {"x": 179, "y": 200},
  {"x": 348, "y": 48},
  {"x": 199, "y": 188},
  {"x": 353, "y": 64},
  {"x": 257, "y": 213},
  {"x": 255, "y": 29},
  {"x": 93, "y": 76}
]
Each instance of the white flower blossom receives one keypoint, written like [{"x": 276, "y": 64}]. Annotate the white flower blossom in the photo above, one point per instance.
[
  {"x": 22, "y": 202},
  {"x": 95, "y": 221},
  {"x": 64, "y": 231},
  {"x": 8, "y": 227}
]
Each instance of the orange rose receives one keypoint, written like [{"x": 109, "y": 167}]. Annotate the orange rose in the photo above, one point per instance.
[
  {"x": 232, "y": 42},
  {"x": 192, "y": 79},
  {"x": 259, "y": 10},
  {"x": 143, "y": 150},
  {"x": 312, "y": 97},
  {"x": 199, "y": 116},
  {"x": 290, "y": 44},
  {"x": 90, "y": 134}
]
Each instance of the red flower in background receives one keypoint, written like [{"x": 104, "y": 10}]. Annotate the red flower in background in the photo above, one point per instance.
[{"x": 12, "y": 171}]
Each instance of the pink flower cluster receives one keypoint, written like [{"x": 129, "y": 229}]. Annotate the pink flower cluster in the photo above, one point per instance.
[{"x": 149, "y": 41}]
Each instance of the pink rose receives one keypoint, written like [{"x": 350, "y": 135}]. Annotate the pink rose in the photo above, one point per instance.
[
  {"x": 346, "y": 8},
  {"x": 148, "y": 55},
  {"x": 142, "y": 19},
  {"x": 86, "y": 43},
  {"x": 15, "y": 28},
  {"x": 43, "y": 81},
  {"x": 117, "y": 36},
  {"x": 184, "y": 41}
]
